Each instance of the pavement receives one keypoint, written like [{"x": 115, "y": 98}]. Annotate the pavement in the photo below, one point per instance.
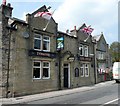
[{"x": 52, "y": 94}]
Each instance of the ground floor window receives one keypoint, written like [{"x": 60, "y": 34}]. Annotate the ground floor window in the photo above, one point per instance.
[
  {"x": 41, "y": 69},
  {"x": 46, "y": 69},
  {"x": 84, "y": 70}
]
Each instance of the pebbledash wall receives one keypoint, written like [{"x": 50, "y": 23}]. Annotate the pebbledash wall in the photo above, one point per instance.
[{"x": 30, "y": 61}]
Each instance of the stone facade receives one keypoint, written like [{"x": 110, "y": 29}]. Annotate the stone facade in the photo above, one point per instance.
[
  {"x": 19, "y": 56},
  {"x": 102, "y": 57},
  {"x": 31, "y": 63},
  {"x": 79, "y": 68}
]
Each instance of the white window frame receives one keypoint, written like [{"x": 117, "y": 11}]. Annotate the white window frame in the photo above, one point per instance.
[
  {"x": 41, "y": 69},
  {"x": 101, "y": 55},
  {"x": 38, "y": 39},
  {"x": 36, "y": 67},
  {"x": 86, "y": 51},
  {"x": 81, "y": 47},
  {"x": 82, "y": 67},
  {"x": 86, "y": 75},
  {"x": 48, "y": 70},
  {"x": 46, "y": 41}
]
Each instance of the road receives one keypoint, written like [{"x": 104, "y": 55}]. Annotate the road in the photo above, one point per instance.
[{"x": 104, "y": 95}]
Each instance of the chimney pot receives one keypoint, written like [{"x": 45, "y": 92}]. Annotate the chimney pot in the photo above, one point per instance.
[
  {"x": 9, "y": 5},
  {"x": 67, "y": 31},
  {"x": 75, "y": 28}
]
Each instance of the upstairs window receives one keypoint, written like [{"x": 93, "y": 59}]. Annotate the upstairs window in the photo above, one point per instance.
[
  {"x": 46, "y": 43},
  {"x": 86, "y": 51},
  {"x": 41, "y": 42},
  {"x": 37, "y": 42},
  {"x": 100, "y": 56},
  {"x": 81, "y": 50}
]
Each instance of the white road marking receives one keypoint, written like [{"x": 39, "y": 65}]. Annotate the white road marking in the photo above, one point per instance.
[{"x": 111, "y": 101}]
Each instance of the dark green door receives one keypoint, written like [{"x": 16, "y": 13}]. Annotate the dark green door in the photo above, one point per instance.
[{"x": 66, "y": 75}]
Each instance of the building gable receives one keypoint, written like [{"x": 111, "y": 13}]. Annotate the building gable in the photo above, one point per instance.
[
  {"x": 40, "y": 22},
  {"x": 101, "y": 43}
]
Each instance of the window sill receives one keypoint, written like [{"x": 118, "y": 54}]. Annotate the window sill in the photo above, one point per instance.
[
  {"x": 46, "y": 50},
  {"x": 36, "y": 78},
  {"x": 87, "y": 76},
  {"x": 45, "y": 78}
]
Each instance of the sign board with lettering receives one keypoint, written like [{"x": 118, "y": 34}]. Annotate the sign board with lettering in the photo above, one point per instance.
[
  {"x": 42, "y": 54},
  {"x": 82, "y": 58}
]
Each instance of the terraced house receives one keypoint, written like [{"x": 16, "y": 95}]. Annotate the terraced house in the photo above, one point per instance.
[
  {"x": 103, "y": 61},
  {"x": 35, "y": 58}
]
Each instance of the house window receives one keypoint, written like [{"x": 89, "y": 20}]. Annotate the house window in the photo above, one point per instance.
[
  {"x": 82, "y": 70},
  {"x": 37, "y": 69},
  {"x": 37, "y": 42},
  {"x": 76, "y": 72},
  {"x": 86, "y": 51},
  {"x": 41, "y": 42},
  {"x": 46, "y": 69},
  {"x": 100, "y": 56},
  {"x": 41, "y": 70},
  {"x": 46, "y": 43},
  {"x": 86, "y": 70},
  {"x": 81, "y": 50}
]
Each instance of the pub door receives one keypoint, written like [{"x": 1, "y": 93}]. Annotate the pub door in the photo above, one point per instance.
[{"x": 66, "y": 75}]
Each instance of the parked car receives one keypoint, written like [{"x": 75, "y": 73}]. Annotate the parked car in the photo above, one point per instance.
[{"x": 116, "y": 71}]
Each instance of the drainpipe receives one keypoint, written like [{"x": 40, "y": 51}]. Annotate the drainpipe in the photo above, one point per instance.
[
  {"x": 95, "y": 69},
  {"x": 59, "y": 57},
  {"x": 8, "y": 66}
]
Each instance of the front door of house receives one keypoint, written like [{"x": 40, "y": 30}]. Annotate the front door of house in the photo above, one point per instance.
[{"x": 66, "y": 75}]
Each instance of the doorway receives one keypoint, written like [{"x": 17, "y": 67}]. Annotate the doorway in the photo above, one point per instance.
[{"x": 66, "y": 76}]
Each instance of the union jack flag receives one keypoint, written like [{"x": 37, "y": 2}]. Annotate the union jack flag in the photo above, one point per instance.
[{"x": 88, "y": 30}]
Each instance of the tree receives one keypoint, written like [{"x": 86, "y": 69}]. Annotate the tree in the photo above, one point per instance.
[{"x": 115, "y": 51}]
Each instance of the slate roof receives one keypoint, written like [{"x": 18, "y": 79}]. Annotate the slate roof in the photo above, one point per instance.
[{"x": 97, "y": 37}]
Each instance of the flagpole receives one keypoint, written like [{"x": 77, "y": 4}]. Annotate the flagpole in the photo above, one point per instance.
[
  {"x": 46, "y": 25},
  {"x": 48, "y": 22}
]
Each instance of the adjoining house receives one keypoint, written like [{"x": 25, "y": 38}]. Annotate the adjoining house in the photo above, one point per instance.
[
  {"x": 102, "y": 57},
  {"x": 77, "y": 59}
]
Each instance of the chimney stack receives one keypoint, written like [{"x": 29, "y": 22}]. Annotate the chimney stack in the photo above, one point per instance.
[
  {"x": 74, "y": 28},
  {"x": 67, "y": 31}
]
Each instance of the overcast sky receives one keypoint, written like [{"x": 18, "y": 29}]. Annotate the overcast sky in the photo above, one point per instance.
[{"x": 102, "y": 15}]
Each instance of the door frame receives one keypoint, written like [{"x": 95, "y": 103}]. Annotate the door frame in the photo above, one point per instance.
[{"x": 68, "y": 73}]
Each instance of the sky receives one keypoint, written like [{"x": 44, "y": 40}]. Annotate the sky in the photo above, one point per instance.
[{"x": 102, "y": 15}]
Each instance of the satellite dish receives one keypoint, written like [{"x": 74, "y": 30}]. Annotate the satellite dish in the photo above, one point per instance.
[{"x": 25, "y": 35}]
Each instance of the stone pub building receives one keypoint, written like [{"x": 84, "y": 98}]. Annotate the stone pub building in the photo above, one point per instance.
[
  {"x": 27, "y": 53},
  {"x": 32, "y": 61}
]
